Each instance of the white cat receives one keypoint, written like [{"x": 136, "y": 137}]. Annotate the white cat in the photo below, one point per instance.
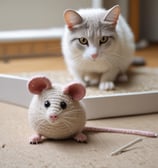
[{"x": 97, "y": 45}]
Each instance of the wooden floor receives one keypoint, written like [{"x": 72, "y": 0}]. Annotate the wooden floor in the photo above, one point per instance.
[{"x": 57, "y": 63}]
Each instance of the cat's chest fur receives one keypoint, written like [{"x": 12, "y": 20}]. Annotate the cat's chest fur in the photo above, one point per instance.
[{"x": 96, "y": 66}]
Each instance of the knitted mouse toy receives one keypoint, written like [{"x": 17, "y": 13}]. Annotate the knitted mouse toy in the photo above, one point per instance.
[{"x": 56, "y": 112}]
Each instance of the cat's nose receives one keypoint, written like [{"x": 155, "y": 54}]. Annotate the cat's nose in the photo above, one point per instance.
[{"x": 94, "y": 56}]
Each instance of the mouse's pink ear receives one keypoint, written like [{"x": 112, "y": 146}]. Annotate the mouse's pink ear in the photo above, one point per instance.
[
  {"x": 76, "y": 90},
  {"x": 37, "y": 84}
]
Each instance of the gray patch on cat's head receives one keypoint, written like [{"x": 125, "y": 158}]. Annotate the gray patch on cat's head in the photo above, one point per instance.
[{"x": 93, "y": 24}]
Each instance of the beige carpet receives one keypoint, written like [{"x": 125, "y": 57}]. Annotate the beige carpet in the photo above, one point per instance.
[
  {"x": 140, "y": 79},
  {"x": 16, "y": 152}
]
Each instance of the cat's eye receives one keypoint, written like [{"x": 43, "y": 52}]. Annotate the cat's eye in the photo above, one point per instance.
[
  {"x": 103, "y": 40},
  {"x": 83, "y": 41},
  {"x": 47, "y": 104},
  {"x": 63, "y": 105}
]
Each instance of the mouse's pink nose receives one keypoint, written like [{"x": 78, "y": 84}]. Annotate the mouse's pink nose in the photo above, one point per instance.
[{"x": 53, "y": 117}]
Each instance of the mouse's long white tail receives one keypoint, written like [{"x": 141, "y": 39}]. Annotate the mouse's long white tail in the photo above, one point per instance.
[{"x": 122, "y": 131}]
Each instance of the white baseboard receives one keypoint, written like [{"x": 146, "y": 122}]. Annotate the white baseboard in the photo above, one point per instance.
[
  {"x": 34, "y": 34},
  {"x": 14, "y": 91}
]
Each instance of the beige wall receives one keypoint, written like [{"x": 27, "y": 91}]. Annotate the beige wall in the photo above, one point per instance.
[
  {"x": 123, "y": 4},
  {"x": 28, "y": 14}
]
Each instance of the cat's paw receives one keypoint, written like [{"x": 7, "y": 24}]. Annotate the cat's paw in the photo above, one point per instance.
[
  {"x": 35, "y": 139},
  {"x": 91, "y": 80},
  {"x": 108, "y": 85}
]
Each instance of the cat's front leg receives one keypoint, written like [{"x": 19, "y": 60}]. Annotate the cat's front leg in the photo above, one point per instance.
[
  {"x": 91, "y": 79},
  {"x": 107, "y": 80},
  {"x": 86, "y": 78},
  {"x": 78, "y": 75}
]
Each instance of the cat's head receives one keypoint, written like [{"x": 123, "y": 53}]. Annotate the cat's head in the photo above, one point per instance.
[{"x": 91, "y": 32}]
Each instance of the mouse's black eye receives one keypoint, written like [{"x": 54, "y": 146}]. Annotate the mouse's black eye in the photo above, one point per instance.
[
  {"x": 47, "y": 103},
  {"x": 63, "y": 105}
]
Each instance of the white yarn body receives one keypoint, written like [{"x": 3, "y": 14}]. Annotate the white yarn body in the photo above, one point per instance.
[{"x": 69, "y": 122}]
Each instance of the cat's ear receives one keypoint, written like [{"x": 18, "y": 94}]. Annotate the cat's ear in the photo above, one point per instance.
[
  {"x": 72, "y": 18},
  {"x": 112, "y": 14}
]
